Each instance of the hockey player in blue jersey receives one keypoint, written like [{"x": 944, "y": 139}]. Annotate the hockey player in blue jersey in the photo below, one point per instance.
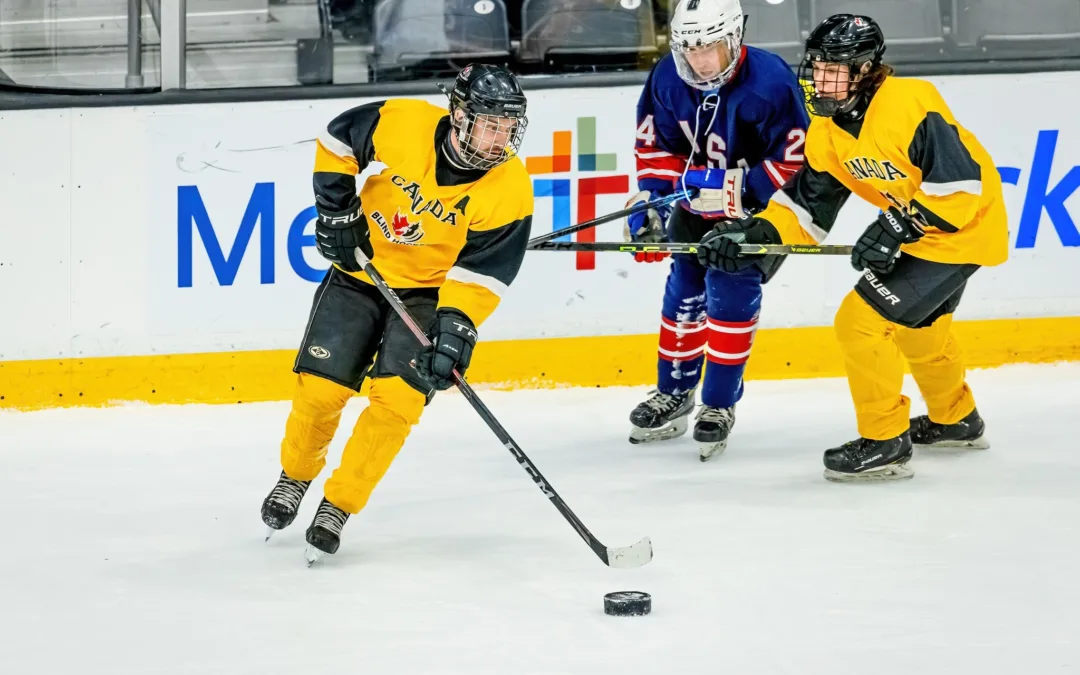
[{"x": 726, "y": 122}]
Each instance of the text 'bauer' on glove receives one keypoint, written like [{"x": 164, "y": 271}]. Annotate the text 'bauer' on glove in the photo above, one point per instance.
[
  {"x": 879, "y": 246},
  {"x": 339, "y": 233},
  {"x": 647, "y": 227},
  {"x": 453, "y": 337},
  {"x": 719, "y": 248},
  {"x": 715, "y": 193}
]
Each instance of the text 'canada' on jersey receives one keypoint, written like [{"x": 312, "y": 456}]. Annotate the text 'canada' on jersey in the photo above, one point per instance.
[{"x": 432, "y": 224}]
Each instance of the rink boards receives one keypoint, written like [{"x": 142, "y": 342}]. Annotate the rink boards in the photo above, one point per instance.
[{"x": 165, "y": 253}]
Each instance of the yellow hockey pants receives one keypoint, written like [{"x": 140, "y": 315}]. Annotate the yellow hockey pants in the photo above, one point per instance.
[
  {"x": 874, "y": 350},
  {"x": 394, "y": 407}
]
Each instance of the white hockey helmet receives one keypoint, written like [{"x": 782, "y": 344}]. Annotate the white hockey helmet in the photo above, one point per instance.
[{"x": 701, "y": 28}]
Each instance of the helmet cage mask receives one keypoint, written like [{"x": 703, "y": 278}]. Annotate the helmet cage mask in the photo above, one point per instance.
[
  {"x": 728, "y": 46},
  {"x": 488, "y": 133},
  {"x": 849, "y": 80}
]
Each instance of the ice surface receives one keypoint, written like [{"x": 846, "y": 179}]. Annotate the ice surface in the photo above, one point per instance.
[{"x": 132, "y": 544}]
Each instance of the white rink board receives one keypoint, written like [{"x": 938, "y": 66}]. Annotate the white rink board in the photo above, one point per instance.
[{"x": 91, "y": 224}]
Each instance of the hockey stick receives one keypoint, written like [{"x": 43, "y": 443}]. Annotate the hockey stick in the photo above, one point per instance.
[
  {"x": 664, "y": 247},
  {"x": 644, "y": 206},
  {"x": 624, "y": 557}
]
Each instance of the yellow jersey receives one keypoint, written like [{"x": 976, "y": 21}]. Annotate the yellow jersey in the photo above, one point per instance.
[
  {"x": 907, "y": 151},
  {"x": 433, "y": 223}
]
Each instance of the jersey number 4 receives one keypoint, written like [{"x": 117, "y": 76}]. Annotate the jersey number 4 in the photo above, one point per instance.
[{"x": 646, "y": 133}]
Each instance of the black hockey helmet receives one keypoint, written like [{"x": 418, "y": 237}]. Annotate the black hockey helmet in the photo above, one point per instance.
[
  {"x": 487, "y": 108},
  {"x": 844, "y": 40}
]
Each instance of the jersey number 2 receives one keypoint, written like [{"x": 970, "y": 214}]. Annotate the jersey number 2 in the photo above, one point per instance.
[{"x": 796, "y": 139}]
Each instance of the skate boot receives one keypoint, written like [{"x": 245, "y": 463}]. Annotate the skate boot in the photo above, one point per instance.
[
  {"x": 324, "y": 534},
  {"x": 280, "y": 506},
  {"x": 661, "y": 417},
  {"x": 712, "y": 428},
  {"x": 864, "y": 460},
  {"x": 967, "y": 433}
]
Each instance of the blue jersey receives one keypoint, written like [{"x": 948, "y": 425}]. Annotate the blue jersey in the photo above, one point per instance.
[{"x": 756, "y": 121}]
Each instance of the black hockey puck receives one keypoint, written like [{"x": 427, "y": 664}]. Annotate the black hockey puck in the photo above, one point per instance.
[{"x": 627, "y": 603}]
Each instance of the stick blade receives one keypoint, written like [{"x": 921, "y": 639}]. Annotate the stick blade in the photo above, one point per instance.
[{"x": 629, "y": 557}]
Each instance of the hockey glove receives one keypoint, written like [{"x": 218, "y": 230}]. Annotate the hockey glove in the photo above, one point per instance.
[
  {"x": 647, "y": 227},
  {"x": 453, "y": 336},
  {"x": 719, "y": 249},
  {"x": 879, "y": 246},
  {"x": 718, "y": 192},
  {"x": 339, "y": 233}
]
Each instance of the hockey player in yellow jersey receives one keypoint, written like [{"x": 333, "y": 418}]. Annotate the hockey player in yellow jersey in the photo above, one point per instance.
[
  {"x": 446, "y": 223},
  {"x": 893, "y": 142}
]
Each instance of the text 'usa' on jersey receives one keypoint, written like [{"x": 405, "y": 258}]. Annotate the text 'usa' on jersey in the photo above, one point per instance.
[
  {"x": 433, "y": 224},
  {"x": 757, "y": 121}
]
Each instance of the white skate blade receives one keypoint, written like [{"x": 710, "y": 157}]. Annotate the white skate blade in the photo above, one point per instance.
[
  {"x": 710, "y": 450},
  {"x": 312, "y": 555},
  {"x": 888, "y": 472},
  {"x": 979, "y": 443},
  {"x": 629, "y": 557},
  {"x": 673, "y": 429}
]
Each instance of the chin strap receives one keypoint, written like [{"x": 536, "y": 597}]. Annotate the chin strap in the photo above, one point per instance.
[
  {"x": 451, "y": 154},
  {"x": 863, "y": 97}
]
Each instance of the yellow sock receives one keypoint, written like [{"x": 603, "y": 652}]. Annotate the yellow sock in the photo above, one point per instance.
[
  {"x": 378, "y": 436},
  {"x": 875, "y": 369},
  {"x": 934, "y": 357},
  {"x": 312, "y": 423}
]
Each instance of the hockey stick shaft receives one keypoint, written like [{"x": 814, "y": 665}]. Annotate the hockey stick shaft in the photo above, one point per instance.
[
  {"x": 664, "y": 247},
  {"x": 631, "y": 556},
  {"x": 644, "y": 206}
]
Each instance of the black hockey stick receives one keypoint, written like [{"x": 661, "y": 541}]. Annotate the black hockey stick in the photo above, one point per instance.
[
  {"x": 644, "y": 206},
  {"x": 664, "y": 247},
  {"x": 624, "y": 557}
]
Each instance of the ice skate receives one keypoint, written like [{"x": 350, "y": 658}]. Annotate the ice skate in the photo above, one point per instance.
[
  {"x": 967, "y": 433},
  {"x": 324, "y": 534},
  {"x": 712, "y": 429},
  {"x": 280, "y": 506},
  {"x": 867, "y": 460},
  {"x": 661, "y": 417}
]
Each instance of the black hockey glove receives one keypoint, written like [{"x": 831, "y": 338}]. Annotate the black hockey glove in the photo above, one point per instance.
[
  {"x": 453, "y": 336},
  {"x": 339, "y": 233},
  {"x": 719, "y": 248},
  {"x": 879, "y": 246}
]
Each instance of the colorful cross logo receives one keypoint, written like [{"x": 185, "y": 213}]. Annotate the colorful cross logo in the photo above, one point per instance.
[{"x": 587, "y": 187}]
